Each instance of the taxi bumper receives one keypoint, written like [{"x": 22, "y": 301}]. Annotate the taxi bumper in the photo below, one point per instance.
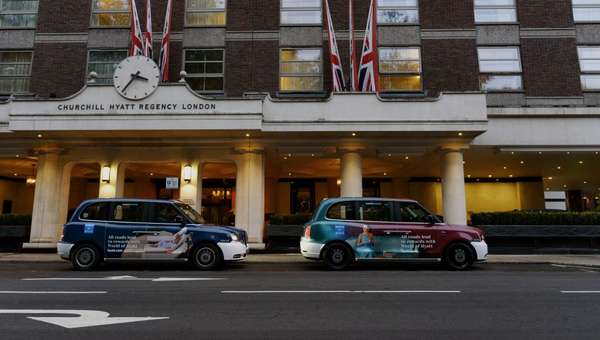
[{"x": 234, "y": 250}]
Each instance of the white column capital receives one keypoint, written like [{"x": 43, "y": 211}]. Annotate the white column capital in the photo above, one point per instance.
[{"x": 454, "y": 148}]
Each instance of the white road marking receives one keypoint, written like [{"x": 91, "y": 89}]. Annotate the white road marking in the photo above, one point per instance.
[
  {"x": 51, "y": 292},
  {"x": 340, "y": 291},
  {"x": 83, "y": 318},
  {"x": 126, "y": 278},
  {"x": 580, "y": 291}
]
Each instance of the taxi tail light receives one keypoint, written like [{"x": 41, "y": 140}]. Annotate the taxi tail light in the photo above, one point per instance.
[
  {"x": 307, "y": 232},
  {"x": 62, "y": 235}
]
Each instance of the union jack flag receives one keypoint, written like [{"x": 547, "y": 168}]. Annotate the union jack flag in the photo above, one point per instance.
[
  {"x": 368, "y": 74},
  {"x": 339, "y": 83},
  {"x": 353, "y": 65},
  {"x": 137, "y": 43},
  {"x": 148, "y": 34},
  {"x": 165, "y": 48}
]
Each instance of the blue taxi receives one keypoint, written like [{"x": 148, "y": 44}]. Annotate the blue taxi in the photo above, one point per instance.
[{"x": 133, "y": 229}]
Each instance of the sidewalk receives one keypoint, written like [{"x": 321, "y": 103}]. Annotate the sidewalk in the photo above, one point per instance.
[{"x": 571, "y": 260}]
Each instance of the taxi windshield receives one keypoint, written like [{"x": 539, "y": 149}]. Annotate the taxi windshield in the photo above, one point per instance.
[{"x": 191, "y": 213}]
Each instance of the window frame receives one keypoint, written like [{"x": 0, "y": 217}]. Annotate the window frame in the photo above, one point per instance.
[
  {"x": 405, "y": 8},
  {"x": 28, "y": 91},
  {"x": 186, "y": 11},
  {"x": 36, "y": 13},
  {"x": 103, "y": 50},
  {"x": 583, "y": 73},
  {"x": 94, "y": 12},
  {"x": 500, "y": 73},
  {"x": 321, "y": 74},
  {"x": 407, "y": 73},
  {"x": 514, "y": 6},
  {"x": 206, "y": 75},
  {"x": 299, "y": 9},
  {"x": 585, "y": 6}
]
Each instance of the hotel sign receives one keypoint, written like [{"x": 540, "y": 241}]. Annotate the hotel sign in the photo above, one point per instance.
[{"x": 185, "y": 108}]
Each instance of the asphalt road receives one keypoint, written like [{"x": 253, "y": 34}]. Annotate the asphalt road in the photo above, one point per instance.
[{"x": 303, "y": 301}]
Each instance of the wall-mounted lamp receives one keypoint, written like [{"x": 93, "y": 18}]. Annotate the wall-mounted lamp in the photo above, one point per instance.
[
  {"x": 187, "y": 173},
  {"x": 105, "y": 174},
  {"x": 30, "y": 180}
]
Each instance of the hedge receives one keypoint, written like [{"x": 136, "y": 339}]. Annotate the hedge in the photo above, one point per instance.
[
  {"x": 536, "y": 218},
  {"x": 13, "y": 219},
  {"x": 297, "y": 219}
]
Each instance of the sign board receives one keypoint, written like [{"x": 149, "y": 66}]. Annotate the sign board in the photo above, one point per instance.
[{"x": 172, "y": 183}]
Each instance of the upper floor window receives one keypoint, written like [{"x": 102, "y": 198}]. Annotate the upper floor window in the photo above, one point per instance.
[
  {"x": 301, "y": 12},
  {"x": 495, "y": 11},
  {"x": 397, "y": 12},
  {"x": 400, "y": 69},
  {"x": 18, "y": 13},
  {"x": 586, "y": 10},
  {"x": 104, "y": 62},
  {"x": 110, "y": 13},
  {"x": 589, "y": 63},
  {"x": 15, "y": 71},
  {"x": 300, "y": 70},
  {"x": 205, "y": 70},
  {"x": 205, "y": 12},
  {"x": 500, "y": 68}
]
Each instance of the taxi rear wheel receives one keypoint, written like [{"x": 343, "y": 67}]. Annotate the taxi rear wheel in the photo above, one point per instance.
[
  {"x": 458, "y": 256},
  {"x": 206, "y": 257},
  {"x": 85, "y": 257},
  {"x": 338, "y": 256}
]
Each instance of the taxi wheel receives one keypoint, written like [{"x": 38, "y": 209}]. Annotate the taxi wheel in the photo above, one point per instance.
[
  {"x": 85, "y": 257},
  {"x": 338, "y": 256},
  {"x": 206, "y": 257},
  {"x": 458, "y": 256}
]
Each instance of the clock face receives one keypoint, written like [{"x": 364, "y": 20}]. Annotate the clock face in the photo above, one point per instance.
[{"x": 136, "y": 77}]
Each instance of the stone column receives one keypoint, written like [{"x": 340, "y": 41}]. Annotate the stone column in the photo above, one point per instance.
[
  {"x": 46, "y": 223},
  {"x": 116, "y": 185},
  {"x": 351, "y": 174},
  {"x": 190, "y": 191},
  {"x": 453, "y": 186},
  {"x": 250, "y": 195}
]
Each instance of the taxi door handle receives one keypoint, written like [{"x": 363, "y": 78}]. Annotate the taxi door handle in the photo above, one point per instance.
[{"x": 398, "y": 232}]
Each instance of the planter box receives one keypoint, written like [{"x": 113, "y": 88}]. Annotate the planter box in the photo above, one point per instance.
[
  {"x": 534, "y": 231},
  {"x": 17, "y": 231},
  {"x": 283, "y": 230}
]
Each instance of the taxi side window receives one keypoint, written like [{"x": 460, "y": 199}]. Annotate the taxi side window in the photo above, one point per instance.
[
  {"x": 375, "y": 211},
  {"x": 412, "y": 212},
  {"x": 128, "y": 212},
  {"x": 163, "y": 213},
  {"x": 342, "y": 211},
  {"x": 96, "y": 212}
]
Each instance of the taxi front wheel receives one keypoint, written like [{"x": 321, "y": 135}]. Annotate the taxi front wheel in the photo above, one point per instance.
[
  {"x": 458, "y": 256},
  {"x": 206, "y": 257},
  {"x": 85, "y": 257},
  {"x": 338, "y": 256}
]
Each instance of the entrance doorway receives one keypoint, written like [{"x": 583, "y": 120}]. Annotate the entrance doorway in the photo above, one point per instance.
[
  {"x": 218, "y": 193},
  {"x": 149, "y": 180}
]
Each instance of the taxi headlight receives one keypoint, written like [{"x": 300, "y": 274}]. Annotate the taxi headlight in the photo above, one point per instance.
[{"x": 234, "y": 237}]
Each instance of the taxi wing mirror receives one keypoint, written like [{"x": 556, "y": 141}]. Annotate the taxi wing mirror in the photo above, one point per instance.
[
  {"x": 179, "y": 219},
  {"x": 431, "y": 219}
]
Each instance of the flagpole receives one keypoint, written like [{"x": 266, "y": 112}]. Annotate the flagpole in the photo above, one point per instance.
[{"x": 352, "y": 47}]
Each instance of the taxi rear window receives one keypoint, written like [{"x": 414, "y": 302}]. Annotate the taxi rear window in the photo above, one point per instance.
[{"x": 96, "y": 212}]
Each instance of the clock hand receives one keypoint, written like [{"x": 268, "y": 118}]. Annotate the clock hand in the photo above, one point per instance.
[
  {"x": 142, "y": 78},
  {"x": 129, "y": 83}
]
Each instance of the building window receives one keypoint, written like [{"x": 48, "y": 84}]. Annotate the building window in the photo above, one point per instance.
[
  {"x": 400, "y": 69},
  {"x": 104, "y": 62},
  {"x": 18, "y": 13},
  {"x": 589, "y": 63},
  {"x": 110, "y": 13},
  {"x": 205, "y": 70},
  {"x": 586, "y": 10},
  {"x": 495, "y": 11},
  {"x": 205, "y": 13},
  {"x": 15, "y": 71},
  {"x": 301, "y": 12},
  {"x": 397, "y": 12},
  {"x": 500, "y": 68},
  {"x": 300, "y": 70}
]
